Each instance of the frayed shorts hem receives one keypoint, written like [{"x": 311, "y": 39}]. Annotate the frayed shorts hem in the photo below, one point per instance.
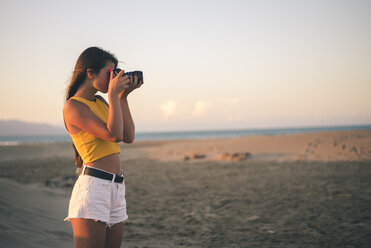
[{"x": 109, "y": 225}]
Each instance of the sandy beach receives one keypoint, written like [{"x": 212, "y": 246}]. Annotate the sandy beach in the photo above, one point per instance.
[{"x": 302, "y": 190}]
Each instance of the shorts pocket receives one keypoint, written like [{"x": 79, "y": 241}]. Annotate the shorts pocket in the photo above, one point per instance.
[
  {"x": 99, "y": 185},
  {"x": 80, "y": 191},
  {"x": 122, "y": 192},
  {"x": 99, "y": 194}
]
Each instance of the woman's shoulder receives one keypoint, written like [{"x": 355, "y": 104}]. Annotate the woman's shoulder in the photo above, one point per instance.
[{"x": 73, "y": 105}]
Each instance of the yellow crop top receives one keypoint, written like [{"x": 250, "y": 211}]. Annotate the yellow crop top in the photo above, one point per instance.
[{"x": 88, "y": 146}]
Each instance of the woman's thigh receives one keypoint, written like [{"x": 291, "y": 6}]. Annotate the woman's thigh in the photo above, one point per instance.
[
  {"x": 114, "y": 235},
  {"x": 88, "y": 233}
]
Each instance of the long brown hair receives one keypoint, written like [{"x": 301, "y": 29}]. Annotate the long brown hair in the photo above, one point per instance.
[{"x": 93, "y": 58}]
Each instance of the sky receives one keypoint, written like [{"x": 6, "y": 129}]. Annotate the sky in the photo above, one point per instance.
[{"x": 207, "y": 64}]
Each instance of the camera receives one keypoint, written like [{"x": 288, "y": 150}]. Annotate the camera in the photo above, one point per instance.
[{"x": 139, "y": 74}]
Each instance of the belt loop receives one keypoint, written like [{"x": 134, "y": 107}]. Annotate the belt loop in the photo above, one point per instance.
[
  {"x": 113, "y": 177},
  {"x": 83, "y": 169}
]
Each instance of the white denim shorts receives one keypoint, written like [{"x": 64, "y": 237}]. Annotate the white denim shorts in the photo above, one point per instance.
[{"x": 98, "y": 199}]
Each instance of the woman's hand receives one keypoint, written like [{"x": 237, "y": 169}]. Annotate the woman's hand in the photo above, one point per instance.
[
  {"x": 118, "y": 84},
  {"x": 134, "y": 84}
]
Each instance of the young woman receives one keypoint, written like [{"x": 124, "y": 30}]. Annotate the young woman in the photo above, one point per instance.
[{"x": 97, "y": 208}]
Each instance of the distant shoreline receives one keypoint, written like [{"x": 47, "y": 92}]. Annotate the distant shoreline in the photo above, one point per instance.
[
  {"x": 348, "y": 145},
  {"x": 182, "y": 135}
]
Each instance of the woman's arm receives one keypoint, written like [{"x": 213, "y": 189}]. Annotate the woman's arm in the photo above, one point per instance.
[
  {"x": 115, "y": 120},
  {"x": 128, "y": 127},
  {"x": 115, "y": 117},
  {"x": 78, "y": 114},
  {"x": 128, "y": 123}
]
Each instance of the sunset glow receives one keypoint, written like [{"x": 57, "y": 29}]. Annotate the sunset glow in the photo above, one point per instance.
[{"x": 239, "y": 64}]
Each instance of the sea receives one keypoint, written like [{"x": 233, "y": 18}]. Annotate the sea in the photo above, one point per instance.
[{"x": 153, "y": 136}]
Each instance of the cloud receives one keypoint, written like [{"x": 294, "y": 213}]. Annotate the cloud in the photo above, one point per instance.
[
  {"x": 201, "y": 108},
  {"x": 168, "y": 108}
]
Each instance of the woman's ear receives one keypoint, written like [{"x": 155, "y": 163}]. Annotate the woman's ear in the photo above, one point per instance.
[{"x": 90, "y": 74}]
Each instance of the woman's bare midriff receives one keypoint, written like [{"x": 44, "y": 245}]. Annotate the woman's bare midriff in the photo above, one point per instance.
[{"x": 110, "y": 163}]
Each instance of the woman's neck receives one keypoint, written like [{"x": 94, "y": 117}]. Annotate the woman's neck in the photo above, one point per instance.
[{"x": 86, "y": 91}]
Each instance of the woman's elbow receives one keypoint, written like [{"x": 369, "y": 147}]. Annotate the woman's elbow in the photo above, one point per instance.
[
  {"x": 115, "y": 138},
  {"x": 128, "y": 140}
]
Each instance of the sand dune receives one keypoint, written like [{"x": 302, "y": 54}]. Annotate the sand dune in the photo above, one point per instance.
[{"x": 30, "y": 216}]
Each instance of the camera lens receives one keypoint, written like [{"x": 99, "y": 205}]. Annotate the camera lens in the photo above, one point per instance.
[{"x": 139, "y": 75}]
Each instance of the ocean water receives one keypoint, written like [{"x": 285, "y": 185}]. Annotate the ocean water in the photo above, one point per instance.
[{"x": 151, "y": 136}]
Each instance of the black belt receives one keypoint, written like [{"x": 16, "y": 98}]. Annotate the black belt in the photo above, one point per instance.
[{"x": 104, "y": 175}]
